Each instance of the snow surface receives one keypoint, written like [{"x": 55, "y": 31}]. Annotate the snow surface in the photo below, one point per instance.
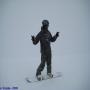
[{"x": 19, "y": 58}]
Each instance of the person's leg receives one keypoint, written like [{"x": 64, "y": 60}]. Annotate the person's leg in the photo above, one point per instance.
[
  {"x": 41, "y": 66},
  {"x": 49, "y": 63},
  {"x": 49, "y": 68}
]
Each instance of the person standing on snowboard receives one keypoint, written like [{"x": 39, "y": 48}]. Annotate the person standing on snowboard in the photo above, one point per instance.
[{"x": 45, "y": 38}]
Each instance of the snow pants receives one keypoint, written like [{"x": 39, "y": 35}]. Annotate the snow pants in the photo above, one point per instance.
[{"x": 45, "y": 59}]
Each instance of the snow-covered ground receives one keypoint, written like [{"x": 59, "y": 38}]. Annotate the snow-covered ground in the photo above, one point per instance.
[
  {"x": 19, "y": 58},
  {"x": 74, "y": 70}
]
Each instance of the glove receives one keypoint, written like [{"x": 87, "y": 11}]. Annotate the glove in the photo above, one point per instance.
[
  {"x": 57, "y": 34},
  {"x": 33, "y": 38}
]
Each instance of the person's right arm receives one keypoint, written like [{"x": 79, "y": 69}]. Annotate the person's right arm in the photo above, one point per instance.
[{"x": 36, "y": 39}]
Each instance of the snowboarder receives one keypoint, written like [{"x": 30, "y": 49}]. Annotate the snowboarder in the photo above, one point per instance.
[{"x": 45, "y": 37}]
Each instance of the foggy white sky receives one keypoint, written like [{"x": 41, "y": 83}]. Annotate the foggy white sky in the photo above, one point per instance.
[{"x": 21, "y": 19}]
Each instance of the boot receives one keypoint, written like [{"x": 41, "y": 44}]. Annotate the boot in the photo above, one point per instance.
[
  {"x": 39, "y": 77},
  {"x": 50, "y": 75}
]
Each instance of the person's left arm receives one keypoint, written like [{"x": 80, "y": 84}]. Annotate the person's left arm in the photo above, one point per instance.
[{"x": 53, "y": 38}]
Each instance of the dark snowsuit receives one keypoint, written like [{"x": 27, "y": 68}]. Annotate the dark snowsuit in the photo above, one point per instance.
[{"x": 45, "y": 37}]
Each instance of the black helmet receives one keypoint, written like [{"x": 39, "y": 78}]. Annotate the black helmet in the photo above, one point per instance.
[{"x": 45, "y": 23}]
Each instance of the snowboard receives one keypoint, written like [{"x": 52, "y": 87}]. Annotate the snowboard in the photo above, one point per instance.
[{"x": 44, "y": 77}]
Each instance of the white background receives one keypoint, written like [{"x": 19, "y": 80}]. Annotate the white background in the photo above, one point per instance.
[{"x": 19, "y": 58}]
